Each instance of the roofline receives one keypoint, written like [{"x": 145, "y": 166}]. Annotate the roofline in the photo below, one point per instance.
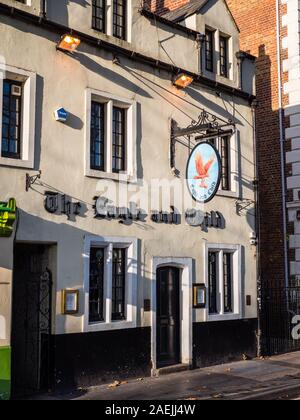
[
  {"x": 189, "y": 14},
  {"x": 167, "y": 22},
  {"x": 201, "y": 7},
  {"x": 59, "y": 29},
  {"x": 245, "y": 54}
]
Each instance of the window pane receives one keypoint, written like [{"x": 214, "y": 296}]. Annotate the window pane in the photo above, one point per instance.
[
  {"x": 96, "y": 285},
  {"x": 97, "y": 151},
  {"x": 225, "y": 158},
  {"x": 11, "y": 119},
  {"x": 228, "y": 282},
  {"x": 224, "y": 56},
  {"x": 119, "y": 140},
  {"x": 222, "y": 144},
  {"x": 118, "y": 284},
  {"x": 99, "y": 14},
  {"x": 119, "y": 18},
  {"x": 213, "y": 282},
  {"x": 209, "y": 50}
]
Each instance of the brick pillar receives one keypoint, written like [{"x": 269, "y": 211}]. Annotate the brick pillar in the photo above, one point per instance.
[{"x": 257, "y": 23}]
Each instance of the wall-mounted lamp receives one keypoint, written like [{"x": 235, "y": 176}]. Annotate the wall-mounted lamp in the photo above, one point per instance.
[
  {"x": 68, "y": 43},
  {"x": 182, "y": 81}
]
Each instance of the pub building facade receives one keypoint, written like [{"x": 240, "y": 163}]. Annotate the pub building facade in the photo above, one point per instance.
[{"x": 98, "y": 95}]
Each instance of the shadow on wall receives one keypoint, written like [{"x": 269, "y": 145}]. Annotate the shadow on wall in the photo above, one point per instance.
[
  {"x": 60, "y": 10},
  {"x": 73, "y": 353},
  {"x": 269, "y": 173}
]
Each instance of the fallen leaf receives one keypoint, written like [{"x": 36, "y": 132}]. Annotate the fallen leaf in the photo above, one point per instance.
[
  {"x": 217, "y": 396},
  {"x": 114, "y": 384}
]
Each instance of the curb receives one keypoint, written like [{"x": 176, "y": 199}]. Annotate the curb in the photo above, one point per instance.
[{"x": 271, "y": 394}]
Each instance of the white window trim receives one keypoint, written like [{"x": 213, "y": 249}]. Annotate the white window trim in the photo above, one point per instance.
[
  {"x": 131, "y": 282},
  {"x": 131, "y": 134},
  {"x": 27, "y": 3},
  {"x": 236, "y": 250},
  {"x": 28, "y": 115},
  {"x": 109, "y": 20},
  {"x": 229, "y": 56},
  {"x": 217, "y": 61},
  {"x": 234, "y": 191}
]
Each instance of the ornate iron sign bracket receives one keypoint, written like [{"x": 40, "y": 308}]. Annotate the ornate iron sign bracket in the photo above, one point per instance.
[
  {"x": 208, "y": 126},
  {"x": 31, "y": 180}
]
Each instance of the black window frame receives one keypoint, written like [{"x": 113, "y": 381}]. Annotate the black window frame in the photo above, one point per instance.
[
  {"x": 99, "y": 15},
  {"x": 224, "y": 56},
  {"x": 9, "y": 126},
  {"x": 97, "y": 135},
  {"x": 213, "y": 281},
  {"x": 223, "y": 145},
  {"x": 120, "y": 29},
  {"x": 96, "y": 286},
  {"x": 209, "y": 50},
  {"x": 225, "y": 152},
  {"x": 119, "y": 284},
  {"x": 119, "y": 139},
  {"x": 228, "y": 281}
]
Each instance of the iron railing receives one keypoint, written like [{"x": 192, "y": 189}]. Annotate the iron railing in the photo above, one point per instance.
[{"x": 279, "y": 307}]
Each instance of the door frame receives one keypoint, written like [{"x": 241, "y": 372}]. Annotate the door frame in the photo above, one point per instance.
[{"x": 186, "y": 307}]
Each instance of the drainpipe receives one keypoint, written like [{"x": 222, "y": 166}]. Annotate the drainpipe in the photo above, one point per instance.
[
  {"x": 282, "y": 143},
  {"x": 43, "y": 12},
  {"x": 257, "y": 229}
]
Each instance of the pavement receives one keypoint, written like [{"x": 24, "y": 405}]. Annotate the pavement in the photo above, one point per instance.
[{"x": 274, "y": 378}]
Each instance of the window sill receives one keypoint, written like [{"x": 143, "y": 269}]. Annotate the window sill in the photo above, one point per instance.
[
  {"x": 104, "y": 36},
  {"x": 110, "y": 326},
  {"x": 223, "y": 317},
  {"x": 229, "y": 194},
  {"x": 16, "y": 163},
  {"x": 219, "y": 79},
  {"x": 121, "y": 177}
]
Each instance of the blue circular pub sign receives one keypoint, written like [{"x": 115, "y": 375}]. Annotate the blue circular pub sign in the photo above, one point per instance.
[{"x": 204, "y": 172}]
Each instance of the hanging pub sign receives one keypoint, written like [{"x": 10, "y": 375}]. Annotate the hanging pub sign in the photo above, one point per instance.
[
  {"x": 8, "y": 214},
  {"x": 203, "y": 172}
]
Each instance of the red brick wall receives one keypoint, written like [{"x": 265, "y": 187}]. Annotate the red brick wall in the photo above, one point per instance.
[
  {"x": 257, "y": 22},
  {"x": 163, "y": 6}
]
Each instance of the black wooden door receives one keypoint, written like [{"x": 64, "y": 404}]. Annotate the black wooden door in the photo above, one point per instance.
[
  {"x": 31, "y": 321},
  {"x": 168, "y": 316}
]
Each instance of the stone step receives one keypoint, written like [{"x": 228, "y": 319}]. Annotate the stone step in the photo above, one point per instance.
[{"x": 171, "y": 369}]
